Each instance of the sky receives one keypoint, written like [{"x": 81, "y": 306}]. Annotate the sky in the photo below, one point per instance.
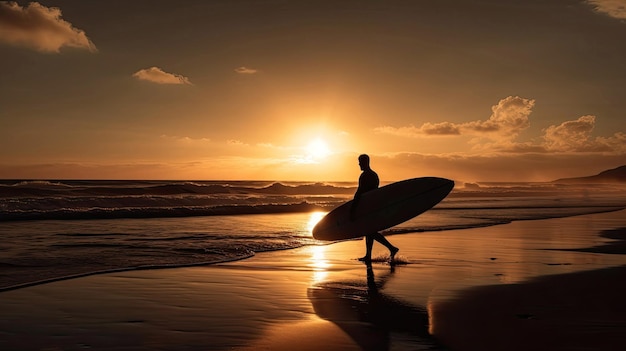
[{"x": 471, "y": 90}]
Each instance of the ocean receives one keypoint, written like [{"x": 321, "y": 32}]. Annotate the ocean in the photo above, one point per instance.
[{"x": 59, "y": 229}]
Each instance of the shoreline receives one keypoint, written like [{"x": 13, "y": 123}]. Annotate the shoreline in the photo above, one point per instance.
[
  {"x": 322, "y": 297},
  {"x": 14, "y": 283}
]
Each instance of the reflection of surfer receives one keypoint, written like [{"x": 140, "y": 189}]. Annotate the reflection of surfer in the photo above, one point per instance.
[
  {"x": 369, "y": 181},
  {"x": 372, "y": 318}
]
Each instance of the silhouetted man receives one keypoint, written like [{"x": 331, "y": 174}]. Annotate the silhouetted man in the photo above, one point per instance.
[{"x": 369, "y": 181}]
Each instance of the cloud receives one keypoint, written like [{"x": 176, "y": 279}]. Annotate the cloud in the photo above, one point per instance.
[
  {"x": 157, "y": 75},
  {"x": 245, "y": 70},
  {"x": 234, "y": 142},
  {"x": 443, "y": 128},
  {"x": 613, "y": 8},
  {"x": 427, "y": 129},
  {"x": 40, "y": 28},
  {"x": 569, "y": 135},
  {"x": 575, "y": 136},
  {"x": 509, "y": 117},
  {"x": 185, "y": 140}
]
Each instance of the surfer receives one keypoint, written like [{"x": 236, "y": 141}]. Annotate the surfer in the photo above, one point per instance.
[{"x": 369, "y": 181}]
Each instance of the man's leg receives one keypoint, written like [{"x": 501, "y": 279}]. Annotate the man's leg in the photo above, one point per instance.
[
  {"x": 381, "y": 239},
  {"x": 369, "y": 243}
]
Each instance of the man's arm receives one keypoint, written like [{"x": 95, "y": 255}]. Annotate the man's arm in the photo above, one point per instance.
[{"x": 355, "y": 202}]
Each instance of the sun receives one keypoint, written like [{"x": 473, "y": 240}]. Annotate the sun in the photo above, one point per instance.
[{"x": 318, "y": 149}]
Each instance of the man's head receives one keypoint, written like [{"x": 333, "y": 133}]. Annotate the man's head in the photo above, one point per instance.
[{"x": 364, "y": 162}]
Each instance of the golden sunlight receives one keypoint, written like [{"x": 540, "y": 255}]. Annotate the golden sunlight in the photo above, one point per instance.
[
  {"x": 313, "y": 219},
  {"x": 319, "y": 263},
  {"x": 318, "y": 149}
]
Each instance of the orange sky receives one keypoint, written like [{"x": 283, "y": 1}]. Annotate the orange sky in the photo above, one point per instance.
[{"x": 494, "y": 90}]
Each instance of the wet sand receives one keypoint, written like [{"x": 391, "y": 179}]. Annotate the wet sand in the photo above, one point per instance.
[{"x": 556, "y": 284}]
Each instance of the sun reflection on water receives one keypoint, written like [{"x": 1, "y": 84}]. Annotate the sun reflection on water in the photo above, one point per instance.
[
  {"x": 313, "y": 219},
  {"x": 319, "y": 263}
]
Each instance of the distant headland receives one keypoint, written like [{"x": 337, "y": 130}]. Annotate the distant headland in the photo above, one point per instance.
[{"x": 615, "y": 175}]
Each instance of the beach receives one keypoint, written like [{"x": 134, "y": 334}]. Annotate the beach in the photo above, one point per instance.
[
  {"x": 549, "y": 284},
  {"x": 209, "y": 175}
]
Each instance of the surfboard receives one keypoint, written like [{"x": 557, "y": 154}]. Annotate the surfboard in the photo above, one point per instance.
[{"x": 383, "y": 208}]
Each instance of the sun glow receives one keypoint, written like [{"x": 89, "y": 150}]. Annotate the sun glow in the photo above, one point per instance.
[
  {"x": 318, "y": 149},
  {"x": 313, "y": 219}
]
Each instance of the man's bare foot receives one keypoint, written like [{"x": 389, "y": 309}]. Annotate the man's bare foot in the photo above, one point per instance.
[
  {"x": 365, "y": 259},
  {"x": 393, "y": 251}
]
